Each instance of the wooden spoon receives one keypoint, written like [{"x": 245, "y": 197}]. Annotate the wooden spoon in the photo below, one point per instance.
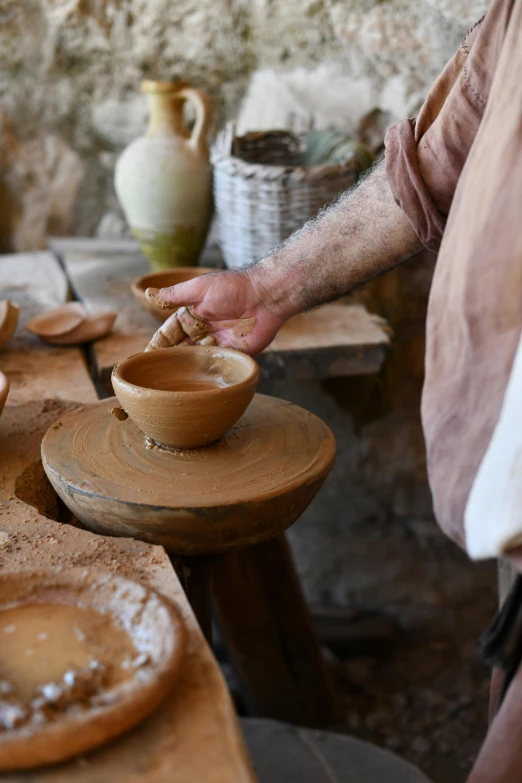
[{"x": 9, "y": 314}]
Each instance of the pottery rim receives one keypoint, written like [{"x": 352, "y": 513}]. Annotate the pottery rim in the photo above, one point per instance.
[
  {"x": 185, "y": 420},
  {"x": 216, "y": 350},
  {"x": 164, "y": 279},
  {"x": 155, "y": 86}
]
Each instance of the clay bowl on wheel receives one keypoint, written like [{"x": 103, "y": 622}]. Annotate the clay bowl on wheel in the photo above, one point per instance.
[
  {"x": 187, "y": 396},
  {"x": 164, "y": 279}
]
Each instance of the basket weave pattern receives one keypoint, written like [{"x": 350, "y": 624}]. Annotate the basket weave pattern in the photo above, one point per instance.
[{"x": 263, "y": 192}]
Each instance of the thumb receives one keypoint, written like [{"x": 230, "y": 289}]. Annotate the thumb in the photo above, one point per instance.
[{"x": 188, "y": 293}]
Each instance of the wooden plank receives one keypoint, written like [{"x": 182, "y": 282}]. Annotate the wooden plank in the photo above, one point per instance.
[
  {"x": 194, "y": 735},
  {"x": 335, "y": 340},
  {"x": 36, "y": 371},
  {"x": 102, "y": 282}
]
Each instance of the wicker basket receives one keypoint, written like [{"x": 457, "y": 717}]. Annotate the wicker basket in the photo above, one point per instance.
[{"x": 264, "y": 191}]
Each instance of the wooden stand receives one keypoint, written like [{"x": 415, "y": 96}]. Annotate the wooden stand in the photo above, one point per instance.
[
  {"x": 271, "y": 640},
  {"x": 236, "y": 497}
]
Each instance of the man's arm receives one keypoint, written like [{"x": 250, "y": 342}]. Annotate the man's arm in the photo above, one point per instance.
[{"x": 360, "y": 236}]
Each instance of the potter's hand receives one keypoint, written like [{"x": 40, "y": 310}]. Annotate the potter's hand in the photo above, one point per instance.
[
  {"x": 236, "y": 306},
  {"x": 361, "y": 235}
]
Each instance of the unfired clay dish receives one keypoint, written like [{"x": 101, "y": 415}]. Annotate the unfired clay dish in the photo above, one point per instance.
[
  {"x": 9, "y": 314},
  {"x": 84, "y": 656},
  {"x": 187, "y": 396},
  {"x": 164, "y": 280},
  {"x": 4, "y": 391},
  {"x": 70, "y": 324}
]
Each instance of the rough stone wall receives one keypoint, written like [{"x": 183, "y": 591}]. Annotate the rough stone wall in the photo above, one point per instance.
[{"x": 70, "y": 72}]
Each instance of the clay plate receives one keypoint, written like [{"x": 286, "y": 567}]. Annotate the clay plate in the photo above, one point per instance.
[
  {"x": 164, "y": 280},
  {"x": 156, "y": 631}
]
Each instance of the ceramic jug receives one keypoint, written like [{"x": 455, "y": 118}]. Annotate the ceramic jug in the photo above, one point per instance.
[{"x": 163, "y": 179}]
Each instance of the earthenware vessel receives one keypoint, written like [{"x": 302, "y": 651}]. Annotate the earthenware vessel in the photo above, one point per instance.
[
  {"x": 4, "y": 391},
  {"x": 135, "y": 637},
  {"x": 163, "y": 179},
  {"x": 187, "y": 396},
  {"x": 163, "y": 280},
  {"x": 70, "y": 324},
  {"x": 9, "y": 314}
]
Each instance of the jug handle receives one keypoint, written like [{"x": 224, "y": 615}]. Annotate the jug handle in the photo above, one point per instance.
[{"x": 203, "y": 107}]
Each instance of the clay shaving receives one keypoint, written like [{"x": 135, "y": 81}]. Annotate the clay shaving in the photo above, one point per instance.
[
  {"x": 119, "y": 413},
  {"x": 151, "y": 294},
  {"x": 52, "y": 700}
]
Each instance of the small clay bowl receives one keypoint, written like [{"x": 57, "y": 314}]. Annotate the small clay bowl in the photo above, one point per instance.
[
  {"x": 187, "y": 396},
  {"x": 164, "y": 280}
]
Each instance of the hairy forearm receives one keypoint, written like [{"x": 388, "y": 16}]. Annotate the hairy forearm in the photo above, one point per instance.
[{"x": 360, "y": 236}]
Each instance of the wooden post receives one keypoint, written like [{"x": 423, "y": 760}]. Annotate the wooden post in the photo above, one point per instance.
[
  {"x": 269, "y": 634},
  {"x": 197, "y": 571}
]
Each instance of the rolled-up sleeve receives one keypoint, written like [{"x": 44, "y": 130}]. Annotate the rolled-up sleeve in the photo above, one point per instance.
[{"x": 425, "y": 156}]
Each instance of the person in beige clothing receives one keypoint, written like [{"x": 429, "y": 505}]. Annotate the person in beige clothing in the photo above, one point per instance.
[{"x": 451, "y": 181}]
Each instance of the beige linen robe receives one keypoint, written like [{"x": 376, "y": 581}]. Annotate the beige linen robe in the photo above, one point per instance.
[{"x": 457, "y": 173}]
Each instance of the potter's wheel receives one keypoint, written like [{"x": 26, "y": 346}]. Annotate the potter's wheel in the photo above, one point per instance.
[{"x": 246, "y": 488}]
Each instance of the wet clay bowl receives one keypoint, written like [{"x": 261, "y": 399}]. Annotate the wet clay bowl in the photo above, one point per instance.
[
  {"x": 164, "y": 279},
  {"x": 84, "y": 656},
  {"x": 188, "y": 396}
]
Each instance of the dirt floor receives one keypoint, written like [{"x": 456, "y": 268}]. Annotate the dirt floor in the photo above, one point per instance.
[
  {"x": 415, "y": 686},
  {"x": 427, "y": 700}
]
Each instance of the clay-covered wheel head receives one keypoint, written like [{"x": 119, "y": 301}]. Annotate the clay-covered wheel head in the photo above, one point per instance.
[
  {"x": 187, "y": 396},
  {"x": 164, "y": 279}
]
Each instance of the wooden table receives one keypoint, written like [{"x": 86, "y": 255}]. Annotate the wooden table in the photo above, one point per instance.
[
  {"x": 194, "y": 736},
  {"x": 256, "y": 592}
]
